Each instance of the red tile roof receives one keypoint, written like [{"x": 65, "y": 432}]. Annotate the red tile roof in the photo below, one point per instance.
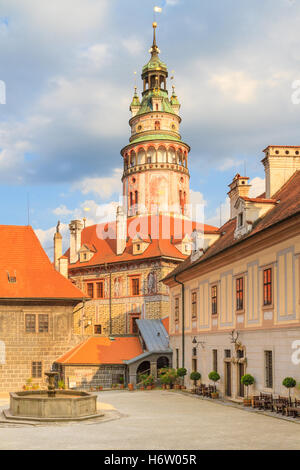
[
  {"x": 22, "y": 256},
  {"x": 288, "y": 204},
  {"x": 165, "y": 322},
  {"x": 102, "y": 350},
  {"x": 160, "y": 243}
]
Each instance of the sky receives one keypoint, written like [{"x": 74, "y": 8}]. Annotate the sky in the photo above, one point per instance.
[{"x": 68, "y": 69}]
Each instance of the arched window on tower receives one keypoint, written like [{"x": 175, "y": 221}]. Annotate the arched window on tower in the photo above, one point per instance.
[
  {"x": 171, "y": 155},
  {"x": 157, "y": 125},
  {"x": 151, "y": 155},
  {"x": 130, "y": 199},
  {"x": 137, "y": 197},
  {"x": 141, "y": 157},
  {"x": 161, "y": 155},
  {"x": 181, "y": 202}
]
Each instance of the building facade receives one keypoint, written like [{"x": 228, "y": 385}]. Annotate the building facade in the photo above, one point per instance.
[
  {"x": 241, "y": 311},
  {"x": 36, "y": 310}
]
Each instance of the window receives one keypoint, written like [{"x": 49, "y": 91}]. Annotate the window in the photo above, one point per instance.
[
  {"x": 36, "y": 370},
  {"x": 90, "y": 289},
  {"x": 157, "y": 125},
  {"x": 214, "y": 300},
  {"x": 131, "y": 199},
  {"x": 97, "y": 329},
  {"x": 177, "y": 309},
  {"x": 240, "y": 293},
  {"x": 269, "y": 369},
  {"x": 30, "y": 323},
  {"x": 215, "y": 360},
  {"x": 136, "y": 197},
  {"x": 268, "y": 286},
  {"x": 194, "y": 365},
  {"x": 241, "y": 219},
  {"x": 100, "y": 290},
  {"x": 194, "y": 304},
  {"x": 43, "y": 323},
  {"x": 177, "y": 358},
  {"x": 227, "y": 353}
]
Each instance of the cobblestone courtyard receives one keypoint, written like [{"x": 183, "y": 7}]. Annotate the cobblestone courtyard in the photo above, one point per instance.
[{"x": 158, "y": 420}]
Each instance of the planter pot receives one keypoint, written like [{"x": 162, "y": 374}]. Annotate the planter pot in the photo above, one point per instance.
[
  {"x": 247, "y": 402},
  {"x": 164, "y": 386},
  {"x": 122, "y": 387},
  {"x": 142, "y": 388},
  {"x": 130, "y": 387},
  {"x": 215, "y": 395},
  {"x": 100, "y": 388},
  {"x": 168, "y": 387},
  {"x": 149, "y": 387},
  {"x": 183, "y": 387},
  {"x": 177, "y": 387}
]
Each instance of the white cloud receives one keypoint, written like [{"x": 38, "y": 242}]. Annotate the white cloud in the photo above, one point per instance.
[
  {"x": 133, "y": 45},
  {"x": 197, "y": 198},
  {"x": 258, "y": 186},
  {"x": 97, "y": 55},
  {"x": 222, "y": 214},
  {"x": 104, "y": 187},
  {"x": 235, "y": 85},
  {"x": 61, "y": 210},
  {"x": 228, "y": 163}
]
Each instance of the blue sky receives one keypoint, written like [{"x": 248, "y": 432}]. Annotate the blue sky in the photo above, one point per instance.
[{"x": 68, "y": 68}]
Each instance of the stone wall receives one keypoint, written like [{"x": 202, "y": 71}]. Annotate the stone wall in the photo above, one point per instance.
[
  {"x": 20, "y": 349},
  {"x": 90, "y": 376}
]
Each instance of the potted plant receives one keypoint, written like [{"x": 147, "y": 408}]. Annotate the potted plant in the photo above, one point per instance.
[
  {"x": 148, "y": 382},
  {"x": 289, "y": 383},
  {"x": 130, "y": 387},
  {"x": 181, "y": 373},
  {"x": 214, "y": 376},
  {"x": 121, "y": 382},
  {"x": 195, "y": 376},
  {"x": 247, "y": 380}
]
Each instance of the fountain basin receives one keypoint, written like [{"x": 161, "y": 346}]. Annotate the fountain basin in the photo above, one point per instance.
[{"x": 65, "y": 405}]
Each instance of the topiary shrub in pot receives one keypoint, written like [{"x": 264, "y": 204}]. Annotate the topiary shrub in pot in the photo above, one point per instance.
[
  {"x": 289, "y": 383},
  {"x": 195, "y": 376},
  {"x": 247, "y": 380},
  {"x": 181, "y": 373},
  {"x": 214, "y": 377}
]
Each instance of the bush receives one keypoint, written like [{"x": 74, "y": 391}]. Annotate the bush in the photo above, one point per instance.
[
  {"x": 247, "y": 380},
  {"x": 289, "y": 383},
  {"x": 214, "y": 376},
  {"x": 121, "y": 379},
  {"x": 163, "y": 371},
  {"x": 61, "y": 385},
  {"x": 148, "y": 381},
  {"x": 195, "y": 376}
]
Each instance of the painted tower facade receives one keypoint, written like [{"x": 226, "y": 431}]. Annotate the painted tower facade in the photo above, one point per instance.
[{"x": 156, "y": 176}]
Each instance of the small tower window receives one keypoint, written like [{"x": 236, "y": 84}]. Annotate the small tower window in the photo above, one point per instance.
[
  {"x": 241, "y": 219},
  {"x": 157, "y": 125}
]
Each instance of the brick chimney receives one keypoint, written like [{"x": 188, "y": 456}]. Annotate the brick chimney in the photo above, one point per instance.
[
  {"x": 238, "y": 188},
  {"x": 57, "y": 247},
  {"x": 280, "y": 164},
  {"x": 75, "y": 227}
]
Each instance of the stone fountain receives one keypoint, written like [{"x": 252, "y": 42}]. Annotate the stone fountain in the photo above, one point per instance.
[{"x": 52, "y": 404}]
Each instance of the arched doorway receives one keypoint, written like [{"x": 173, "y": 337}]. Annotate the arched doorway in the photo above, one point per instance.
[{"x": 143, "y": 368}]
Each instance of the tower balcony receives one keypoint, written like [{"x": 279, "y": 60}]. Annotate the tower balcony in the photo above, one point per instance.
[{"x": 154, "y": 167}]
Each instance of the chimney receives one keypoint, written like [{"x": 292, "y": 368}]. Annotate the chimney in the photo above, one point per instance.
[
  {"x": 57, "y": 247},
  {"x": 75, "y": 227},
  {"x": 121, "y": 228},
  {"x": 280, "y": 164},
  {"x": 238, "y": 188}
]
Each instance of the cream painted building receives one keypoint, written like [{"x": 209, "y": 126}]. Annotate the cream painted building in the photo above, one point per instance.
[{"x": 241, "y": 308}]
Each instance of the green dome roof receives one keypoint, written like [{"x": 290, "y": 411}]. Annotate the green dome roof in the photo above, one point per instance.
[
  {"x": 154, "y": 64},
  {"x": 146, "y": 105}
]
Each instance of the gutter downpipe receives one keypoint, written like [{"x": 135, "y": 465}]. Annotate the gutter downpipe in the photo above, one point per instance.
[{"x": 183, "y": 325}]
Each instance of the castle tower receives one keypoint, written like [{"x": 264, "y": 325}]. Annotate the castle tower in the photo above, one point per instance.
[{"x": 156, "y": 176}]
